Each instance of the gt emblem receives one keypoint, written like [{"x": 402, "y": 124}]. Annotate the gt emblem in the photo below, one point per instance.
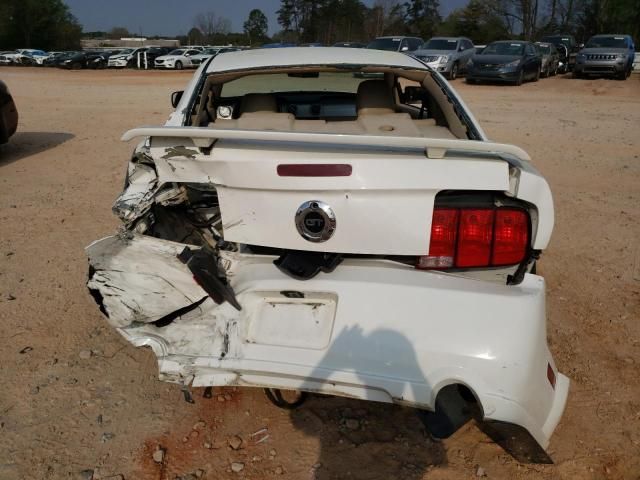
[{"x": 315, "y": 221}]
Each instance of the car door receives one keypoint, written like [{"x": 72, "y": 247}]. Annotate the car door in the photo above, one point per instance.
[
  {"x": 531, "y": 60},
  {"x": 187, "y": 56},
  {"x": 467, "y": 53}
]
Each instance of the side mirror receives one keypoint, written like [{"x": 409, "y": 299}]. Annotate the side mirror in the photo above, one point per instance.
[
  {"x": 581, "y": 46},
  {"x": 461, "y": 48},
  {"x": 404, "y": 49},
  {"x": 176, "y": 97}
]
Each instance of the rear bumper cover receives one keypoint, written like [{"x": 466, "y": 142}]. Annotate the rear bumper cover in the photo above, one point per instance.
[{"x": 374, "y": 330}]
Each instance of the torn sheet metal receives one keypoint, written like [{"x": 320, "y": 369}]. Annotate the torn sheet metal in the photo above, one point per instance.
[{"x": 140, "y": 280}]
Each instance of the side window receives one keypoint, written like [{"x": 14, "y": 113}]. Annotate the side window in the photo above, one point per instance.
[
  {"x": 469, "y": 43},
  {"x": 404, "y": 45},
  {"x": 415, "y": 43}
]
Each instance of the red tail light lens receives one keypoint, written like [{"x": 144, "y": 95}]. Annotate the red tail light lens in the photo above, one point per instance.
[
  {"x": 476, "y": 237},
  {"x": 442, "y": 249},
  {"x": 476, "y": 231},
  {"x": 511, "y": 237}
]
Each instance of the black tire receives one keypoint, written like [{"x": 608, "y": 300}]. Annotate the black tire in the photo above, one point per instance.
[
  {"x": 453, "y": 74},
  {"x": 471, "y": 81},
  {"x": 555, "y": 70},
  {"x": 576, "y": 74},
  {"x": 537, "y": 75},
  {"x": 76, "y": 66},
  {"x": 520, "y": 78},
  {"x": 178, "y": 65}
]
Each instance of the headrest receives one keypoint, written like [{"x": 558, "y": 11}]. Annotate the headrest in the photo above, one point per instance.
[
  {"x": 258, "y": 102},
  {"x": 374, "y": 94}
]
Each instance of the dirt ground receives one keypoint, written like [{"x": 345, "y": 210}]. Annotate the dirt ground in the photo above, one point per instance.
[{"x": 75, "y": 398}]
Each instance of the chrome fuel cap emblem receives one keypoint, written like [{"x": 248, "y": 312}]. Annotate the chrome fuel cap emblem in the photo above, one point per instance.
[{"x": 315, "y": 221}]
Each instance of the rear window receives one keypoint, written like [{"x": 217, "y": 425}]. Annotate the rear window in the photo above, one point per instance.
[
  {"x": 281, "y": 82},
  {"x": 504, "y": 49},
  {"x": 607, "y": 42},
  {"x": 391, "y": 44},
  {"x": 440, "y": 44}
]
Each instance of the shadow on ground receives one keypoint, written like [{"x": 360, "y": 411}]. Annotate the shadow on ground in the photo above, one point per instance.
[
  {"x": 25, "y": 144},
  {"x": 365, "y": 440}
]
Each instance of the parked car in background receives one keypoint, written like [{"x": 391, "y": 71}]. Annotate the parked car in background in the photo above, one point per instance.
[
  {"x": 350, "y": 44},
  {"x": 278, "y": 45},
  {"x": 611, "y": 55},
  {"x": 6, "y": 58},
  {"x": 125, "y": 58},
  {"x": 510, "y": 61},
  {"x": 198, "y": 58},
  {"x": 30, "y": 56},
  {"x": 8, "y": 114},
  {"x": 84, "y": 59},
  {"x": 567, "y": 49},
  {"x": 177, "y": 59},
  {"x": 550, "y": 58},
  {"x": 294, "y": 227},
  {"x": 57, "y": 58},
  {"x": 146, "y": 58},
  {"x": 447, "y": 55},
  {"x": 396, "y": 44}
]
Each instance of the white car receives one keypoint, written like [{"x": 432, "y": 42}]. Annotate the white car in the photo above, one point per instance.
[
  {"x": 122, "y": 59},
  {"x": 177, "y": 59},
  {"x": 292, "y": 226},
  {"x": 211, "y": 52}
]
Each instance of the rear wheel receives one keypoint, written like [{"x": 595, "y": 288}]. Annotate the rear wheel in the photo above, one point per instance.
[
  {"x": 76, "y": 66},
  {"x": 454, "y": 72},
  {"x": 178, "y": 65}
]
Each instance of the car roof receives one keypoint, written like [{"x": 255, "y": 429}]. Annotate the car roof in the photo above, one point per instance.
[
  {"x": 611, "y": 35},
  {"x": 301, "y": 56},
  {"x": 396, "y": 36}
]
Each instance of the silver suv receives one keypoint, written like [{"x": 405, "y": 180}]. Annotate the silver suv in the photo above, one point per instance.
[
  {"x": 606, "y": 55},
  {"x": 447, "y": 55}
]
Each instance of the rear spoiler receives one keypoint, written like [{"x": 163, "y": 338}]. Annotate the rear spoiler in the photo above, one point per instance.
[{"x": 434, "y": 147}]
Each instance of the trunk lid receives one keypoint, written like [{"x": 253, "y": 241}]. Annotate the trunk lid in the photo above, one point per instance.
[{"x": 383, "y": 207}]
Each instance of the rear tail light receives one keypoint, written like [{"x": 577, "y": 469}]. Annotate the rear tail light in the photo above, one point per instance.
[{"x": 476, "y": 237}]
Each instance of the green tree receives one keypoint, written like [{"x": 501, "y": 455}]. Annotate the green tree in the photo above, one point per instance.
[
  {"x": 195, "y": 37},
  {"x": 44, "y": 24},
  {"x": 475, "y": 21},
  {"x": 422, "y": 17},
  {"x": 256, "y": 26}
]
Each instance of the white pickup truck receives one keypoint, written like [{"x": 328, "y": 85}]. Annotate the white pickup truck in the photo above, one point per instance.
[{"x": 335, "y": 220}]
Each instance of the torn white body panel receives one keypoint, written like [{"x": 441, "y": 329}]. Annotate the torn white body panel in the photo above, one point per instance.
[{"x": 351, "y": 333}]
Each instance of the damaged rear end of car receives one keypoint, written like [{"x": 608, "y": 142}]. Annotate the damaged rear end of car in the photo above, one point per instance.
[{"x": 333, "y": 250}]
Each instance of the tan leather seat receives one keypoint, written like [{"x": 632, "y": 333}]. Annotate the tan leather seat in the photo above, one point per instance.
[
  {"x": 374, "y": 98},
  {"x": 258, "y": 102}
]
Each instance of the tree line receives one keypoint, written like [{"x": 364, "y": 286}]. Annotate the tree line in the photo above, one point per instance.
[
  {"x": 329, "y": 21},
  {"x": 48, "y": 24},
  {"x": 44, "y": 24}
]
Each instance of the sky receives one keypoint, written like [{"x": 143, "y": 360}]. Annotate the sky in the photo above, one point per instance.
[{"x": 176, "y": 17}]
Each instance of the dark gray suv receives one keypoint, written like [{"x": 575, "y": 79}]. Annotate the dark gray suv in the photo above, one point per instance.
[{"x": 606, "y": 55}]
